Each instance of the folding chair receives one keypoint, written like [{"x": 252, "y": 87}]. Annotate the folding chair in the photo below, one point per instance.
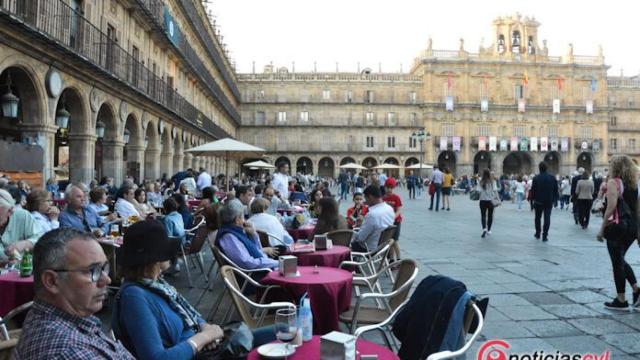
[
  {"x": 242, "y": 303},
  {"x": 472, "y": 310}
]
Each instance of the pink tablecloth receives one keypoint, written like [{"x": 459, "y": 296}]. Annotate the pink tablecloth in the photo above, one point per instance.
[
  {"x": 59, "y": 203},
  {"x": 303, "y": 232},
  {"x": 14, "y": 291},
  {"x": 311, "y": 351},
  {"x": 329, "y": 292},
  {"x": 330, "y": 257}
]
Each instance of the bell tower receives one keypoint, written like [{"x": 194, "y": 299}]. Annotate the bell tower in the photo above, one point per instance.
[{"x": 515, "y": 34}]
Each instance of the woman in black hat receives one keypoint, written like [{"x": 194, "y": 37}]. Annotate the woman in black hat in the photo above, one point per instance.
[{"x": 150, "y": 317}]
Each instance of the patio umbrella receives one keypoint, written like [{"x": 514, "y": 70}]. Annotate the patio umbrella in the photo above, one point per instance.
[
  {"x": 259, "y": 165},
  {"x": 229, "y": 149},
  {"x": 352, "y": 166},
  {"x": 387, "y": 166},
  {"x": 417, "y": 166}
]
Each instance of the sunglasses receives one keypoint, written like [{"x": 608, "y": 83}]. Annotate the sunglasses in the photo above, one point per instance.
[{"x": 95, "y": 271}]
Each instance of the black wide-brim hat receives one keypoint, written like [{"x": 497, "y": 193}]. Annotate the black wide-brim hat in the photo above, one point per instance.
[{"x": 146, "y": 242}]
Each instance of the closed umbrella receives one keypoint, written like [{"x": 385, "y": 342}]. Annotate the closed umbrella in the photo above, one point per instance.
[
  {"x": 229, "y": 149},
  {"x": 420, "y": 166}
]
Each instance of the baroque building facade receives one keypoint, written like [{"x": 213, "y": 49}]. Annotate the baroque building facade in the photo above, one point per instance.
[
  {"x": 114, "y": 87},
  {"x": 505, "y": 107}
]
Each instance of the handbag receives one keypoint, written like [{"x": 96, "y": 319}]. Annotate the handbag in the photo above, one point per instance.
[
  {"x": 597, "y": 207},
  {"x": 237, "y": 344},
  {"x": 495, "y": 201},
  {"x": 621, "y": 224},
  {"x": 474, "y": 195},
  {"x": 432, "y": 189}
]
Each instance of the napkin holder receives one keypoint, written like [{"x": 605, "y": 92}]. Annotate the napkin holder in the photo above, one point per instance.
[
  {"x": 320, "y": 242},
  {"x": 288, "y": 265},
  {"x": 337, "y": 346}
]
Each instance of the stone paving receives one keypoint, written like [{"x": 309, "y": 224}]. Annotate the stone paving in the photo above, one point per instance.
[{"x": 543, "y": 296}]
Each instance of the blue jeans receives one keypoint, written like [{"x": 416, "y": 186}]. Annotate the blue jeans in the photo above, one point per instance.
[
  {"x": 344, "y": 191},
  {"x": 519, "y": 199},
  {"x": 437, "y": 196}
]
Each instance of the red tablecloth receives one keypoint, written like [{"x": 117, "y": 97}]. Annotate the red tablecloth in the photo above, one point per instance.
[
  {"x": 330, "y": 257},
  {"x": 14, "y": 291},
  {"x": 193, "y": 203},
  {"x": 311, "y": 351},
  {"x": 303, "y": 232},
  {"x": 329, "y": 292},
  {"x": 59, "y": 202}
]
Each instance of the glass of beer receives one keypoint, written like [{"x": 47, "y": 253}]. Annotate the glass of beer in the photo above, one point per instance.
[{"x": 115, "y": 230}]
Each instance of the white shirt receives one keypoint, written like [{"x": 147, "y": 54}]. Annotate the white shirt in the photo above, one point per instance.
[
  {"x": 190, "y": 184},
  {"x": 280, "y": 183},
  {"x": 204, "y": 180},
  {"x": 270, "y": 224},
  {"x": 520, "y": 187},
  {"x": 44, "y": 222},
  {"x": 125, "y": 208},
  {"x": 378, "y": 218},
  {"x": 382, "y": 179}
]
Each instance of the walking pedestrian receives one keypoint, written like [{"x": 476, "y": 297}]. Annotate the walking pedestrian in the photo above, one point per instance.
[
  {"x": 519, "y": 191},
  {"x": 544, "y": 190},
  {"x": 436, "y": 179},
  {"x": 584, "y": 194},
  {"x": 488, "y": 191},
  {"x": 565, "y": 193},
  {"x": 411, "y": 184},
  {"x": 574, "y": 201},
  {"x": 447, "y": 184},
  {"x": 622, "y": 186}
]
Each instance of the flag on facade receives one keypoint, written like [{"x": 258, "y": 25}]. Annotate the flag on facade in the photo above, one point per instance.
[
  {"x": 556, "y": 106},
  {"x": 544, "y": 144},
  {"x": 525, "y": 80},
  {"x": 594, "y": 84},
  {"x": 482, "y": 143},
  {"x": 521, "y": 105},
  {"x": 456, "y": 143},
  {"x": 560, "y": 83},
  {"x": 484, "y": 105},
  {"x": 449, "y": 103},
  {"x": 449, "y": 80},
  {"x": 534, "y": 143},
  {"x": 524, "y": 144},
  {"x": 443, "y": 143},
  {"x": 493, "y": 143},
  {"x": 554, "y": 144},
  {"x": 503, "y": 145},
  {"x": 564, "y": 144},
  {"x": 514, "y": 143}
]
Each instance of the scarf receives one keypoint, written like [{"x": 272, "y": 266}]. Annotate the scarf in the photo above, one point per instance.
[
  {"x": 177, "y": 302},
  {"x": 239, "y": 233}
]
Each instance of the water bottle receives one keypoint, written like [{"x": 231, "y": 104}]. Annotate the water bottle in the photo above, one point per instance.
[{"x": 306, "y": 318}]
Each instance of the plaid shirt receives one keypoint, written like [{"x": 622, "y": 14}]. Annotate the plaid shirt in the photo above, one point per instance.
[{"x": 50, "y": 333}]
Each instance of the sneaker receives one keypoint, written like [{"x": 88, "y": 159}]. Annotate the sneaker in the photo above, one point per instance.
[
  {"x": 545, "y": 239},
  {"x": 484, "y": 233},
  {"x": 537, "y": 236},
  {"x": 636, "y": 297},
  {"x": 448, "y": 209},
  {"x": 617, "y": 305},
  {"x": 488, "y": 232}
]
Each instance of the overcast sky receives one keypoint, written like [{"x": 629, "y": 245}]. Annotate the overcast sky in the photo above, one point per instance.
[{"x": 392, "y": 32}]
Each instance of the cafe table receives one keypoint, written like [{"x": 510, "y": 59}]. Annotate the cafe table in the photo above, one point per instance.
[
  {"x": 304, "y": 232},
  {"x": 329, "y": 290},
  {"x": 310, "y": 350},
  {"x": 110, "y": 247},
  {"x": 331, "y": 257},
  {"x": 14, "y": 291}
]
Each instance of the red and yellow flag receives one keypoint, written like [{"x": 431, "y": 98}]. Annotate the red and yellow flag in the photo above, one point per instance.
[{"x": 525, "y": 80}]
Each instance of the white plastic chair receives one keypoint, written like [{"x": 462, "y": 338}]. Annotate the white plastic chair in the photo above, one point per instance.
[{"x": 447, "y": 354}]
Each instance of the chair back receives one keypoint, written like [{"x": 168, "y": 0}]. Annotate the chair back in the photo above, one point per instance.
[
  {"x": 264, "y": 238},
  {"x": 340, "y": 237},
  {"x": 387, "y": 234},
  {"x": 198, "y": 240},
  {"x": 6, "y": 347},
  {"x": 239, "y": 300},
  {"x": 217, "y": 255},
  {"x": 4, "y": 330},
  {"x": 407, "y": 273}
]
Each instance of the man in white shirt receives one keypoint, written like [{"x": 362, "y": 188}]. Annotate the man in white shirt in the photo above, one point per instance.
[
  {"x": 379, "y": 217},
  {"x": 280, "y": 181},
  {"x": 437, "y": 178},
  {"x": 268, "y": 223},
  {"x": 204, "y": 180}
]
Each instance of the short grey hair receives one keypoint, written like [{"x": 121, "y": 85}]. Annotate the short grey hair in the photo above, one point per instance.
[
  {"x": 80, "y": 186},
  {"x": 6, "y": 200},
  {"x": 231, "y": 210},
  {"x": 50, "y": 251}
]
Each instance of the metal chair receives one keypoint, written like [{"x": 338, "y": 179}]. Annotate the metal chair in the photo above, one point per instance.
[
  {"x": 372, "y": 261},
  {"x": 472, "y": 310},
  {"x": 242, "y": 303},
  {"x": 384, "y": 327},
  {"x": 407, "y": 272},
  {"x": 340, "y": 237},
  {"x": 4, "y": 330},
  {"x": 193, "y": 251}
]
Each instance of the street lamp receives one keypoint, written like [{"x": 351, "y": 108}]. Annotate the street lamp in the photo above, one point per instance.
[
  {"x": 420, "y": 135},
  {"x": 9, "y": 101},
  {"x": 100, "y": 129},
  {"x": 62, "y": 115},
  {"x": 127, "y": 135}
]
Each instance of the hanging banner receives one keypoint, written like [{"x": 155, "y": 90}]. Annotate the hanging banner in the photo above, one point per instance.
[
  {"x": 514, "y": 143},
  {"x": 564, "y": 144},
  {"x": 556, "y": 106},
  {"x": 534, "y": 143},
  {"x": 554, "y": 144},
  {"x": 456, "y": 143},
  {"x": 524, "y": 144},
  {"x": 493, "y": 143},
  {"x": 484, "y": 105},
  {"x": 449, "y": 103},
  {"x": 544, "y": 144},
  {"x": 596, "y": 145},
  {"x": 521, "y": 105},
  {"x": 172, "y": 30},
  {"x": 482, "y": 143},
  {"x": 503, "y": 145},
  {"x": 443, "y": 143},
  {"x": 585, "y": 145},
  {"x": 589, "y": 106}
]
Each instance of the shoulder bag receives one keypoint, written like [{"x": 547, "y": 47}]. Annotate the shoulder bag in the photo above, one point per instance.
[{"x": 621, "y": 224}]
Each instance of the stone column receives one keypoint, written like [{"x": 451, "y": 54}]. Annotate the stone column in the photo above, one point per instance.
[
  {"x": 188, "y": 161},
  {"x": 112, "y": 160},
  {"x": 45, "y": 136},
  {"x": 152, "y": 164},
  {"x": 178, "y": 161},
  {"x": 135, "y": 153},
  {"x": 195, "y": 163},
  {"x": 81, "y": 157},
  {"x": 166, "y": 162}
]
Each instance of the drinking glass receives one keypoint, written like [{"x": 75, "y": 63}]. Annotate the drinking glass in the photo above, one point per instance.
[
  {"x": 286, "y": 324},
  {"x": 115, "y": 230}
]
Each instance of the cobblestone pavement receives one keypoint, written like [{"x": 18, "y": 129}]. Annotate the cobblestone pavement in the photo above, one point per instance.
[{"x": 543, "y": 296}]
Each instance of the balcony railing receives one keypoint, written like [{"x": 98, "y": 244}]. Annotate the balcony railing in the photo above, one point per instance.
[
  {"x": 63, "y": 27},
  {"x": 335, "y": 76}
]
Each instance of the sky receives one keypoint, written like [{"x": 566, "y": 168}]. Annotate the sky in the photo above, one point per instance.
[{"x": 391, "y": 33}]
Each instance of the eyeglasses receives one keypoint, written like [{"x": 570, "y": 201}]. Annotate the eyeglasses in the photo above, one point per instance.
[{"x": 95, "y": 271}]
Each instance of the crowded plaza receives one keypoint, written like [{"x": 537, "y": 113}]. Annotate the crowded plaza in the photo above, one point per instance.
[{"x": 159, "y": 201}]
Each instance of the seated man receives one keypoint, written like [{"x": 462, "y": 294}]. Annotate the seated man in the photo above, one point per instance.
[
  {"x": 70, "y": 282},
  {"x": 18, "y": 229},
  {"x": 238, "y": 240},
  {"x": 268, "y": 223},
  {"x": 125, "y": 204},
  {"x": 78, "y": 216},
  {"x": 379, "y": 217},
  {"x": 274, "y": 202}
]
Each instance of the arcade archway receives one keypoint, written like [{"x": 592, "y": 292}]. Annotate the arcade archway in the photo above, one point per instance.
[
  {"x": 517, "y": 163},
  {"x": 585, "y": 160},
  {"x": 304, "y": 165},
  {"x": 553, "y": 162},
  {"x": 481, "y": 161},
  {"x": 447, "y": 159},
  {"x": 326, "y": 167}
]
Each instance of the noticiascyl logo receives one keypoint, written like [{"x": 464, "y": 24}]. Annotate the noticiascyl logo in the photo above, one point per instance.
[{"x": 494, "y": 350}]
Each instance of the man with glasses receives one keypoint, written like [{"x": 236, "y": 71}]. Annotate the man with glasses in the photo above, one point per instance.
[
  {"x": 79, "y": 216},
  {"x": 70, "y": 281}
]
